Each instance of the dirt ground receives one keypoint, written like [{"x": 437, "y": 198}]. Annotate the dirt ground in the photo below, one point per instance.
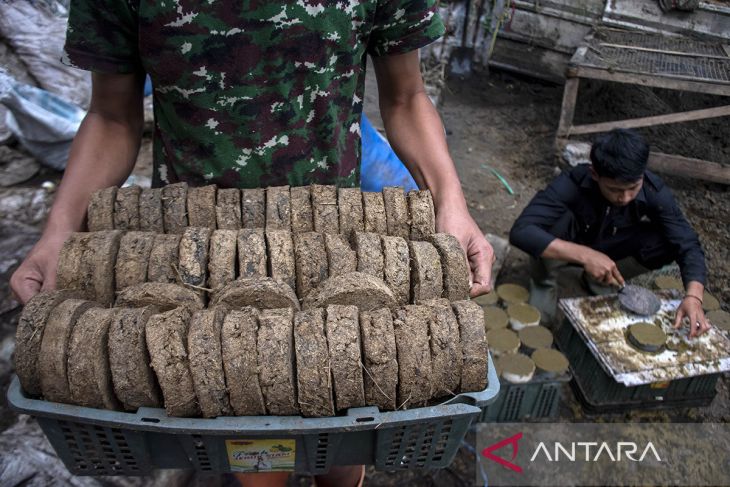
[
  {"x": 507, "y": 123},
  {"x": 495, "y": 123}
]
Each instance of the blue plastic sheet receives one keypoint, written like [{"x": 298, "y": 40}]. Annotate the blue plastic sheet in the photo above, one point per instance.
[{"x": 380, "y": 166}]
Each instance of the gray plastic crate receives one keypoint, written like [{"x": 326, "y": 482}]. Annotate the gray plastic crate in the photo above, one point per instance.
[
  {"x": 599, "y": 393},
  {"x": 100, "y": 442},
  {"x": 537, "y": 399}
]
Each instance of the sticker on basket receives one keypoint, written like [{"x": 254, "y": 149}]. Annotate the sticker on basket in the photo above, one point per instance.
[{"x": 261, "y": 455}]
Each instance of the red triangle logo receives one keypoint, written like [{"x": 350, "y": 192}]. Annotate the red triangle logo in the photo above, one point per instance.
[{"x": 512, "y": 440}]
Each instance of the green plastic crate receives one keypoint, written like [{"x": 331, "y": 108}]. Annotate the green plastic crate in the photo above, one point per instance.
[
  {"x": 100, "y": 442},
  {"x": 599, "y": 393},
  {"x": 537, "y": 399}
]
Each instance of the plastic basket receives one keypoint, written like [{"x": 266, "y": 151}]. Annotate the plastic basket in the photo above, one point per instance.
[
  {"x": 599, "y": 393},
  {"x": 100, "y": 442},
  {"x": 537, "y": 399}
]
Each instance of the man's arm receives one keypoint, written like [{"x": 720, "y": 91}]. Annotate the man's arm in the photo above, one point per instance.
[
  {"x": 691, "y": 308},
  {"x": 547, "y": 218},
  {"x": 102, "y": 154},
  {"x": 691, "y": 261},
  {"x": 415, "y": 131},
  {"x": 597, "y": 264}
]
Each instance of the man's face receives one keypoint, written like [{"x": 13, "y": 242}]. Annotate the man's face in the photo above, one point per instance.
[{"x": 618, "y": 193}]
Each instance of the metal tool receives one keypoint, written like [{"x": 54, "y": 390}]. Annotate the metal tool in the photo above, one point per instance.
[
  {"x": 638, "y": 300},
  {"x": 462, "y": 56}
]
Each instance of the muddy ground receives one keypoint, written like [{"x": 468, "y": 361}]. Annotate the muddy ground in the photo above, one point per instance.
[
  {"x": 507, "y": 123},
  {"x": 494, "y": 122}
]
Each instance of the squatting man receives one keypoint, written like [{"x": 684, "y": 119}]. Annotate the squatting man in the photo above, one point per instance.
[{"x": 617, "y": 220}]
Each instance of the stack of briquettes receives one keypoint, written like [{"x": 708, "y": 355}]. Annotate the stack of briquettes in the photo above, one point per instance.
[{"x": 279, "y": 301}]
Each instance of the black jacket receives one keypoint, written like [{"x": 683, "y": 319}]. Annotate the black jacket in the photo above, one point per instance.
[{"x": 572, "y": 208}]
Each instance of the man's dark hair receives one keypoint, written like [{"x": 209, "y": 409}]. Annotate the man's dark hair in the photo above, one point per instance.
[{"x": 620, "y": 154}]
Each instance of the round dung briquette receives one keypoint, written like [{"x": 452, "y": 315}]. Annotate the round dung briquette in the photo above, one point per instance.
[
  {"x": 100, "y": 213},
  {"x": 314, "y": 377},
  {"x": 29, "y": 334},
  {"x": 53, "y": 357},
  {"x": 164, "y": 258},
  {"x": 222, "y": 258},
  {"x": 474, "y": 345},
  {"x": 252, "y": 260},
  {"x": 668, "y": 282},
  {"x": 396, "y": 212},
  {"x": 310, "y": 259},
  {"x": 228, "y": 209},
  {"x": 719, "y": 319},
  {"x": 446, "y": 349},
  {"x": 174, "y": 207},
  {"x": 646, "y": 337},
  {"x": 126, "y": 208},
  {"x": 534, "y": 337},
  {"x": 495, "y": 317},
  {"x": 709, "y": 302},
  {"x": 369, "y": 254},
  {"x": 517, "y": 368},
  {"x": 301, "y": 209},
  {"x": 522, "y": 315},
  {"x": 150, "y": 211},
  {"x": 357, "y": 289},
  {"x": 275, "y": 346},
  {"x": 325, "y": 214},
  {"x": 349, "y": 202},
  {"x": 490, "y": 299},
  {"x": 240, "y": 362},
  {"x": 278, "y": 208},
  {"x": 89, "y": 376},
  {"x": 281, "y": 260},
  {"x": 193, "y": 256},
  {"x": 253, "y": 208},
  {"x": 512, "y": 293},
  {"x": 166, "y": 335},
  {"x": 379, "y": 358},
  {"x": 374, "y": 213},
  {"x": 341, "y": 258},
  {"x": 426, "y": 272},
  {"x": 342, "y": 327},
  {"x": 201, "y": 206},
  {"x": 258, "y": 292},
  {"x": 397, "y": 267},
  {"x": 206, "y": 362},
  {"x": 86, "y": 262},
  {"x": 456, "y": 273},
  {"x": 502, "y": 341},
  {"x": 163, "y": 295},
  {"x": 421, "y": 213},
  {"x": 549, "y": 361},
  {"x": 413, "y": 355},
  {"x": 135, "y": 384},
  {"x": 133, "y": 258}
]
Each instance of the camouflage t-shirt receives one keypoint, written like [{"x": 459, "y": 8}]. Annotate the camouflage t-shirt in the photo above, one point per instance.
[{"x": 250, "y": 93}]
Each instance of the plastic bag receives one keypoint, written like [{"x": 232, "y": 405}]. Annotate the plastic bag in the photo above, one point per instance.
[
  {"x": 36, "y": 32},
  {"x": 380, "y": 166},
  {"x": 43, "y": 123}
]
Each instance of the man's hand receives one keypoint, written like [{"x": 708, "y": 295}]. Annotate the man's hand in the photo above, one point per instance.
[
  {"x": 691, "y": 308},
  {"x": 601, "y": 268},
  {"x": 416, "y": 134},
  {"x": 478, "y": 251},
  {"x": 102, "y": 154},
  {"x": 38, "y": 270}
]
